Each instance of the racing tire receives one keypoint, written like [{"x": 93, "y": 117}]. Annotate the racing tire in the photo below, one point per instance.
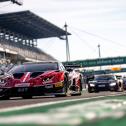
[
  {"x": 90, "y": 90},
  {"x": 81, "y": 88},
  {"x": 76, "y": 94},
  {"x": 65, "y": 88},
  {"x": 96, "y": 91},
  {"x": 116, "y": 88},
  {"x": 5, "y": 98},
  {"x": 81, "y": 83},
  {"x": 120, "y": 87},
  {"x": 27, "y": 97}
]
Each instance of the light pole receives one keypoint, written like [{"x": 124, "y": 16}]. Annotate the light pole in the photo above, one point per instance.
[
  {"x": 99, "y": 53},
  {"x": 67, "y": 44}
]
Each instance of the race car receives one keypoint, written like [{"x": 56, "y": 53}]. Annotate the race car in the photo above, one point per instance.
[
  {"x": 103, "y": 82},
  {"x": 75, "y": 81},
  {"x": 35, "y": 79}
]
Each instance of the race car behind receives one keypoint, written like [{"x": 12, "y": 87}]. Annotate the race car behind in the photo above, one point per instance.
[{"x": 103, "y": 82}]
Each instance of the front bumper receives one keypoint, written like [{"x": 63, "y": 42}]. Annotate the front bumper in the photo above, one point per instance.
[
  {"x": 104, "y": 87},
  {"x": 32, "y": 91}
]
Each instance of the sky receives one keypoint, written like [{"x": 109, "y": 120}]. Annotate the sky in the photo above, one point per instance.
[{"x": 91, "y": 23}]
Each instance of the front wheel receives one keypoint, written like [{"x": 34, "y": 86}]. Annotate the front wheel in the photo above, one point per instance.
[
  {"x": 90, "y": 90},
  {"x": 5, "y": 98},
  {"x": 27, "y": 97},
  {"x": 64, "y": 90}
]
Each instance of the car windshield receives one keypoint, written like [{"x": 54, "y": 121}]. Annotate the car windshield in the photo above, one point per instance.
[
  {"x": 105, "y": 77},
  {"x": 34, "y": 67},
  {"x": 118, "y": 77}
]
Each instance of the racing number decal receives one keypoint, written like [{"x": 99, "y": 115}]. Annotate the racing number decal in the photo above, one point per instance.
[{"x": 60, "y": 84}]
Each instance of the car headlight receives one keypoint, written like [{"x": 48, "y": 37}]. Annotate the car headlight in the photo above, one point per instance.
[
  {"x": 92, "y": 85},
  {"x": 48, "y": 79},
  {"x": 112, "y": 84}
]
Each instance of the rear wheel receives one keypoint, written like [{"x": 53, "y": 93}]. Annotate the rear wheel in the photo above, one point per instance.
[
  {"x": 90, "y": 90},
  {"x": 120, "y": 87},
  {"x": 81, "y": 83}
]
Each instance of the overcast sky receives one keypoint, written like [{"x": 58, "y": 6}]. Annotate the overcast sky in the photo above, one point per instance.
[{"x": 91, "y": 22}]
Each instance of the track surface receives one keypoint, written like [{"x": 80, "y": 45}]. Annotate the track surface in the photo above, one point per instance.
[{"x": 20, "y": 102}]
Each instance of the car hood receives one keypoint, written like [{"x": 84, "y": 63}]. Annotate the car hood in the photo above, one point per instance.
[
  {"x": 27, "y": 75},
  {"x": 33, "y": 78}
]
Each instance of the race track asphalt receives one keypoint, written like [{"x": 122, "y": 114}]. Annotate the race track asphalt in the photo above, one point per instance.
[{"x": 13, "y": 102}]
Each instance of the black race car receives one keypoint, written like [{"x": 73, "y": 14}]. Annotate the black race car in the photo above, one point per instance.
[{"x": 103, "y": 82}]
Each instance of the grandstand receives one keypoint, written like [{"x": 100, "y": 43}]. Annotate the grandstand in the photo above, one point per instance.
[{"x": 19, "y": 32}]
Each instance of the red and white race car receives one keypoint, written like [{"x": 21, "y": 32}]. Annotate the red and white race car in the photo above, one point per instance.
[
  {"x": 75, "y": 80},
  {"x": 35, "y": 79}
]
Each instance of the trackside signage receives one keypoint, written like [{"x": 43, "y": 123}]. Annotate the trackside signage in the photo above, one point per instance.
[{"x": 98, "y": 62}]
